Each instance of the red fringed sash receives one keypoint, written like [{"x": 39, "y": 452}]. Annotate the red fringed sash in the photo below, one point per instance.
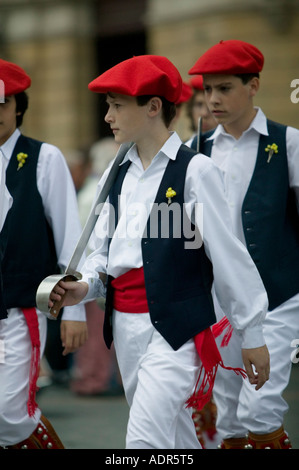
[
  {"x": 32, "y": 322},
  {"x": 130, "y": 297},
  {"x": 211, "y": 359}
]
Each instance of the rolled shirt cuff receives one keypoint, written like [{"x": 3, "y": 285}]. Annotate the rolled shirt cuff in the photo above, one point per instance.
[
  {"x": 74, "y": 313},
  {"x": 253, "y": 337},
  {"x": 96, "y": 288}
]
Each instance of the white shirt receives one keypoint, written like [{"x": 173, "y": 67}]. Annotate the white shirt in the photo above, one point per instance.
[
  {"x": 233, "y": 267},
  {"x": 236, "y": 159},
  {"x": 5, "y": 197},
  {"x": 54, "y": 182}
]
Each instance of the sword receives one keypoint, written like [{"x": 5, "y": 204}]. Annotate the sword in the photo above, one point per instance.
[{"x": 48, "y": 284}]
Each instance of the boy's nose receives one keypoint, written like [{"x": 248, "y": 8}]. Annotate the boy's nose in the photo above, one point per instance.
[{"x": 108, "y": 117}]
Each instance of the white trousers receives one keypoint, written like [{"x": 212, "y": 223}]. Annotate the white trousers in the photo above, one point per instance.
[
  {"x": 240, "y": 408},
  {"x": 15, "y": 423},
  {"x": 157, "y": 382}
]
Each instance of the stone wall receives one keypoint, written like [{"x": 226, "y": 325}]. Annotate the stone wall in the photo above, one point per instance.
[{"x": 54, "y": 43}]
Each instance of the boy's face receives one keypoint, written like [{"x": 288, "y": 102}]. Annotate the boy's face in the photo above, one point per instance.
[
  {"x": 200, "y": 110},
  {"x": 127, "y": 120},
  {"x": 229, "y": 100},
  {"x": 8, "y": 121}
]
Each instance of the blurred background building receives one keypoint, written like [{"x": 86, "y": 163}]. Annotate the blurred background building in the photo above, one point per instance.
[{"x": 64, "y": 44}]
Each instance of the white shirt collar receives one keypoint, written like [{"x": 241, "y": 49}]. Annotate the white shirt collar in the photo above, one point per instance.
[
  {"x": 9, "y": 145},
  {"x": 169, "y": 149},
  {"x": 259, "y": 124}
]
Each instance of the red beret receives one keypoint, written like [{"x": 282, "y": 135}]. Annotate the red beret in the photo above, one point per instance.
[
  {"x": 229, "y": 58},
  {"x": 186, "y": 93},
  {"x": 14, "y": 77},
  {"x": 141, "y": 75},
  {"x": 197, "y": 82}
]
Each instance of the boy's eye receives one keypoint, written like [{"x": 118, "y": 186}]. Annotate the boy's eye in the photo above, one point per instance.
[{"x": 224, "y": 88}]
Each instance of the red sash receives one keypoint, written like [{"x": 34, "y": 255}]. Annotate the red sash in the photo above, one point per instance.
[
  {"x": 129, "y": 292},
  {"x": 32, "y": 322},
  {"x": 130, "y": 297}
]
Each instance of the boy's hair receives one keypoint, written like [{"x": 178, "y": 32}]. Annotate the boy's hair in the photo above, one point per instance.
[
  {"x": 21, "y": 106},
  {"x": 246, "y": 77},
  {"x": 168, "y": 108}
]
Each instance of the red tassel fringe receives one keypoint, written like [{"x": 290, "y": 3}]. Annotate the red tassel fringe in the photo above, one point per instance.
[
  {"x": 211, "y": 359},
  {"x": 202, "y": 395},
  {"x": 218, "y": 329}
]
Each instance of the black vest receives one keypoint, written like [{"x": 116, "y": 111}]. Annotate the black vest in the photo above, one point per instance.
[
  {"x": 270, "y": 218},
  {"x": 30, "y": 254},
  {"x": 178, "y": 280}
]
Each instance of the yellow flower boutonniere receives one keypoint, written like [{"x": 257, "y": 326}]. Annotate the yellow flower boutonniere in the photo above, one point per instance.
[
  {"x": 271, "y": 149},
  {"x": 170, "y": 193},
  {"x": 21, "y": 157}
]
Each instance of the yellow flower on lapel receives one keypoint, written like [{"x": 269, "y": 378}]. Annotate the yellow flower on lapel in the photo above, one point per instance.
[
  {"x": 21, "y": 157},
  {"x": 271, "y": 149},
  {"x": 170, "y": 193}
]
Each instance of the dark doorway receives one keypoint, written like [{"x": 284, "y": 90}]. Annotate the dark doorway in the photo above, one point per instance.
[{"x": 111, "y": 50}]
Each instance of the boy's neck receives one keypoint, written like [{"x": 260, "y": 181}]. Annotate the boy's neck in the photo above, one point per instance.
[
  {"x": 149, "y": 148},
  {"x": 237, "y": 128}
]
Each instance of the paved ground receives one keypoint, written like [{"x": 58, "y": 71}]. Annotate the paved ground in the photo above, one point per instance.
[{"x": 100, "y": 423}]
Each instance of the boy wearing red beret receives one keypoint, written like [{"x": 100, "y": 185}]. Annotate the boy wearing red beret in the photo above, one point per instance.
[
  {"x": 158, "y": 275},
  {"x": 38, "y": 236},
  {"x": 259, "y": 160}
]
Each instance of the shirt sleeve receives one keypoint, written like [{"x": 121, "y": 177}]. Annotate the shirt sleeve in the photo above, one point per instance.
[
  {"x": 58, "y": 194},
  {"x": 237, "y": 283},
  {"x": 96, "y": 262}
]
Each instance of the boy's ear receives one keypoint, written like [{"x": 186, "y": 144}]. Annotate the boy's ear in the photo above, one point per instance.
[
  {"x": 254, "y": 86},
  {"x": 155, "y": 105}
]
